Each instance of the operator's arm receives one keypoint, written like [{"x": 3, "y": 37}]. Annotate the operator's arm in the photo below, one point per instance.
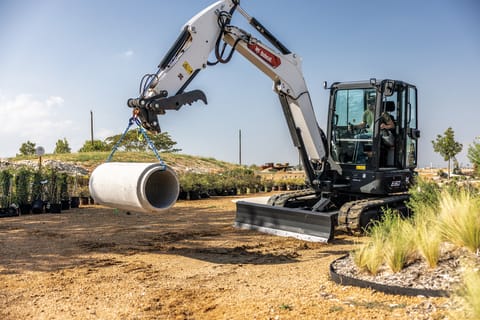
[{"x": 387, "y": 122}]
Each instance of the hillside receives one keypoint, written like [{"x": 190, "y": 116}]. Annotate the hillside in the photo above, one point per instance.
[{"x": 85, "y": 162}]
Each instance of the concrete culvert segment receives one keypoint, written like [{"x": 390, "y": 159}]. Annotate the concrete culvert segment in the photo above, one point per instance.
[
  {"x": 161, "y": 188},
  {"x": 141, "y": 187}
]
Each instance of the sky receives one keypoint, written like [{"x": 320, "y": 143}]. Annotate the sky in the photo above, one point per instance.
[{"x": 61, "y": 60}]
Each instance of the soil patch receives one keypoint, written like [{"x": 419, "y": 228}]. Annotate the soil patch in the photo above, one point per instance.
[{"x": 189, "y": 263}]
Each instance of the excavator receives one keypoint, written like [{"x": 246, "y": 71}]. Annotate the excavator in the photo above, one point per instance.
[{"x": 354, "y": 170}]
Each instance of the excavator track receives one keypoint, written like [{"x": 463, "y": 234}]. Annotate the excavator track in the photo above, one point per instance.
[
  {"x": 279, "y": 200},
  {"x": 354, "y": 216}
]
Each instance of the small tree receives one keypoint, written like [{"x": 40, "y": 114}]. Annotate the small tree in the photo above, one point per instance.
[
  {"x": 135, "y": 141},
  {"x": 5, "y": 187},
  {"x": 447, "y": 147},
  {"x": 97, "y": 145},
  {"x": 37, "y": 187},
  {"x": 474, "y": 154},
  {"x": 63, "y": 179},
  {"x": 27, "y": 148},
  {"x": 62, "y": 146},
  {"x": 22, "y": 185},
  {"x": 53, "y": 190},
  {"x": 164, "y": 142}
]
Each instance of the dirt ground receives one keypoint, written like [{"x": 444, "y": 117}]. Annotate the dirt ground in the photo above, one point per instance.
[{"x": 190, "y": 263}]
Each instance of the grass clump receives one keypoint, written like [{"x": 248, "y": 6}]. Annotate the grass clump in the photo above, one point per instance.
[
  {"x": 459, "y": 220},
  {"x": 469, "y": 294},
  {"x": 399, "y": 246},
  {"x": 369, "y": 256},
  {"x": 450, "y": 214},
  {"x": 390, "y": 242},
  {"x": 427, "y": 237}
]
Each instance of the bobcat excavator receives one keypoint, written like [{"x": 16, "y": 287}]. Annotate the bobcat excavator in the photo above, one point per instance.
[{"x": 353, "y": 170}]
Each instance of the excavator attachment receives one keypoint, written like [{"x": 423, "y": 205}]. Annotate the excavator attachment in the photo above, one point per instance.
[
  {"x": 149, "y": 108},
  {"x": 287, "y": 222}
]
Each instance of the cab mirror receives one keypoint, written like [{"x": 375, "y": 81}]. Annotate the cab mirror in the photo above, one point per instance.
[
  {"x": 414, "y": 133},
  {"x": 388, "y": 87}
]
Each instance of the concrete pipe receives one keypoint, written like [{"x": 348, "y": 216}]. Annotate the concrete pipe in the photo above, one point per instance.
[{"x": 141, "y": 187}]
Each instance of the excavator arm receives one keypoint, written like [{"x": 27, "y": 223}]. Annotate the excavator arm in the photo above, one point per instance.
[{"x": 210, "y": 31}]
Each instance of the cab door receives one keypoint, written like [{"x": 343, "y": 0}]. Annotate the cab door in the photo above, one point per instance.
[{"x": 411, "y": 129}]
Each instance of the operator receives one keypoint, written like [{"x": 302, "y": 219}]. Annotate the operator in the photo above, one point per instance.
[
  {"x": 367, "y": 124},
  {"x": 367, "y": 118}
]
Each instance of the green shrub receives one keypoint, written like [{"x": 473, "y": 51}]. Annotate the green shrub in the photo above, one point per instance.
[
  {"x": 423, "y": 194},
  {"x": 22, "y": 185},
  {"x": 5, "y": 187},
  {"x": 37, "y": 188}
]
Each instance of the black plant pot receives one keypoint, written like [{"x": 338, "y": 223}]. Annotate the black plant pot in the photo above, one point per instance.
[
  {"x": 182, "y": 195},
  {"x": 37, "y": 206},
  {"x": 193, "y": 195},
  {"x": 55, "y": 207},
  {"x": 65, "y": 204},
  {"x": 25, "y": 208},
  {"x": 74, "y": 202},
  {"x": 8, "y": 212}
]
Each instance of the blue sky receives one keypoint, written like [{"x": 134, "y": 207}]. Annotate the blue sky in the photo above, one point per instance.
[{"x": 60, "y": 59}]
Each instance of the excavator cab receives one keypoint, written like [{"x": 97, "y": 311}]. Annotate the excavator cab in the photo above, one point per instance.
[{"x": 374, "y": 160}]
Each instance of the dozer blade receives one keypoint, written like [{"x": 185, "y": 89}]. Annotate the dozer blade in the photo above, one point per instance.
[{"x": 285, "y": 222}]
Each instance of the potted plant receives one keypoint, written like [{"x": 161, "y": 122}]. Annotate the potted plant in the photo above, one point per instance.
[
  {"x": 84, "y": 195},
  {"x": 22, "y": 189},
  {"x": 5, "y": 195},
  {"x": 187, "y": 186},
  {"x": 74, "y": 199},
  {"x": 54, "y": 205},
  {"x": 267, "y": 185},
  {"x": 64, "y": 195},
  {"x": 37, "y": 192}
]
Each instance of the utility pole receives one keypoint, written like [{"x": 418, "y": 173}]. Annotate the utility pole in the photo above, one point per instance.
[
  {"x": 240, "y": 146},
  {"x": 91, "y": 126}
]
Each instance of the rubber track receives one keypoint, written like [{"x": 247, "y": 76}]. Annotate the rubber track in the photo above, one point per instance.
[
  {"x": 279, "y": 200},
  {"x": 350, "y": 213}
]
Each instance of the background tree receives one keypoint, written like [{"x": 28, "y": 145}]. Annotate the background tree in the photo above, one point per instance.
[
  {"x": 27, "y": 148},
  {"x": 447, "y": 147},
  {"x": 62, "y": 146},
  {"x": 132, "y": 141},
  {"x": 97, "y": 145},
  {"x": 474, "y": 155},
  {"x": 135, "y": 141},
  {"x": 163, "y": 142}
]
